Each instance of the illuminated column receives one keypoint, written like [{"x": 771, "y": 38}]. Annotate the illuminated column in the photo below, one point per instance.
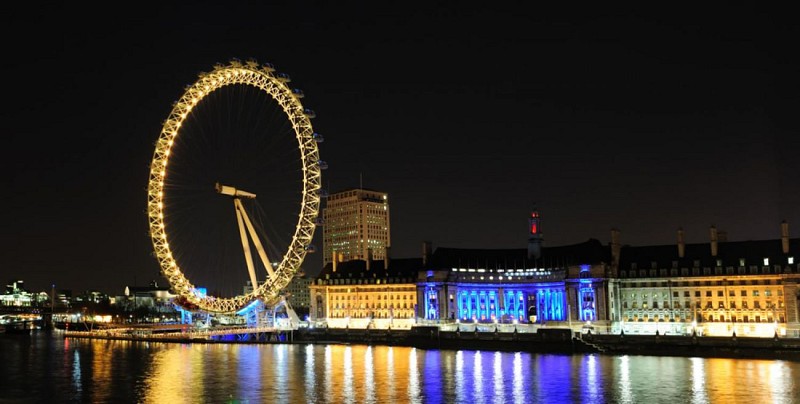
[
  {"x": 501, "y": 301},
  {"x": 482, "y": 306}
]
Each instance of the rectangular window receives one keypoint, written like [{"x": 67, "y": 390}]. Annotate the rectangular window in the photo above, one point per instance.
[
  {"x": 755, "y": 293},
  {"x": 719, "y": 293},
  {"x": 744, "y": 293}
]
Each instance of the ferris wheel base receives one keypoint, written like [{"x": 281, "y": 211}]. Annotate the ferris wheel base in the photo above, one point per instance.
[{"x": 279, "y": 315}]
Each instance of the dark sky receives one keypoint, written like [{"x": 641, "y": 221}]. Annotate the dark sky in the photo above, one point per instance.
[{"x": 644, "y": 120}]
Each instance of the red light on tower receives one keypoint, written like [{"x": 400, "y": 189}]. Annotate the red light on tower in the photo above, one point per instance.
[{"x": 534, "y": 223}]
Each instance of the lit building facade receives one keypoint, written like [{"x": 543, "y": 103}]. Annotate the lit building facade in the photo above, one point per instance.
[
  {"x": 750, "y": 288},
  {"x": 564, "y": 286},
  {"x": 356, "y": 226},
  {"x": 366, "y": 294},
  {"x": 16, "y": 296}
]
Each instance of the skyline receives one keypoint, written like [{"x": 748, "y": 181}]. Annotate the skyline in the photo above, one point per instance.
[{"x": 642, "y": 120}]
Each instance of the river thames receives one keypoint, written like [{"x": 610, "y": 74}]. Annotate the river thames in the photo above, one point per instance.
[{"x": 46, "y": 367}]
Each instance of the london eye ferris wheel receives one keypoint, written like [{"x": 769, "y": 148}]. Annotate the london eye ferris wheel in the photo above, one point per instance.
[{"x": 234, "y": 188}]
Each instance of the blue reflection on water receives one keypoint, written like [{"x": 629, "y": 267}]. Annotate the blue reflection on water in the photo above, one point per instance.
[
  {"x": 432, "y": 377},
  {"x": 498, "y": 375},
  {"x": 249, "y": 371},
  {"x": 477, "y": 377},
  {"x": 76, "y": 371}
]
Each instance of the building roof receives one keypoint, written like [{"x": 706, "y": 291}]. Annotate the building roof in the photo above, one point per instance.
[
  {"x": 358, "y": 189},
  {"x": 730, "y": 252},
  {"x": 398, "y": 268},
  {"x": 588, "y": 252}
]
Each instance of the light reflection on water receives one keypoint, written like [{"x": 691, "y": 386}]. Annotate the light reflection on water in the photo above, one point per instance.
[{"x": 40, "y": 368}]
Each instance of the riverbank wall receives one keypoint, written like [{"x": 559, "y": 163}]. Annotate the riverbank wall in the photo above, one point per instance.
[{"x": 555, "y": 340}]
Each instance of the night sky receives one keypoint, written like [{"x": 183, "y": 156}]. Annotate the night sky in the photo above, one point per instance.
[{"x": 644, "y": 120}]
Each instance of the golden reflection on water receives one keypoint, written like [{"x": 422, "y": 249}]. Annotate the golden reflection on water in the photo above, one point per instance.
[
  {"x": 369, "y": 376},
  {"x": 172, "y": 371},
  {"x": 309, "y": 379},
  {"x": 102, "y": 369}
]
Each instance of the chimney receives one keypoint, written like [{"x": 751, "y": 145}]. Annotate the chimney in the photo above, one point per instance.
[
  {"x": 335, "y": 260},
  {"x": 785, "y": 236},
  {"x": 714, "y": 240},
  {"x": 681, "y": 245},
  {"x": 386, "y": 257},
  {"x": 369, "y": 258},
  {"x": 426, "y": 252}
]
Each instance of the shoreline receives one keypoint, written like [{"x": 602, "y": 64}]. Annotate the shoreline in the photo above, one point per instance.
[{"x": 555, "y": 341}]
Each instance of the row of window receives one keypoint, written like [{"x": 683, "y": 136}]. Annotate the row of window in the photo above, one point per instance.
[
  {"x": 371, "y": 314},
  {"x": 709, "y": 318},
  {"x": 697, "y": 283},
  {"x": 373, "y": 306},
  {"x": 366, "y": 297},
  {"x": 709, "y": 305},
  {"x": 753, "y": 270},
  {"x": 708, "y": 293}
]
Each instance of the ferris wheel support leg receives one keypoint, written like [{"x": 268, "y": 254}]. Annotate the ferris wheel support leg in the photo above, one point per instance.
[
  {"x": 259, "y": 247},
  {"x": 245, "y": 245}
]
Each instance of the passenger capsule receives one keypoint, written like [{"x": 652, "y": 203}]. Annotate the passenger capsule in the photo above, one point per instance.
[
  {"x": 298, "y": 93},
  {"x": 309, "y": 113},
  {"x": 322, "y": 165},
  {"x": 318, "y": 137},
  {"x": 284, "y": 77},
  {"x": 311, "y": 248},
  {"x": 322, "y": 193},
  {"x": 268, "y": 67}
]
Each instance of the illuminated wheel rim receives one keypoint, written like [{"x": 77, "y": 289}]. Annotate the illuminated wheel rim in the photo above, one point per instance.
[{"x": 274, "y": 84}]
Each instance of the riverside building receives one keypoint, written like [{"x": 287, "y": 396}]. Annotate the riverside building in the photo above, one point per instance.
[
  {"x": 720, "y": 288},
  {"x": 566, "y": 286},
  {"x": 366, "y": 294}
]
